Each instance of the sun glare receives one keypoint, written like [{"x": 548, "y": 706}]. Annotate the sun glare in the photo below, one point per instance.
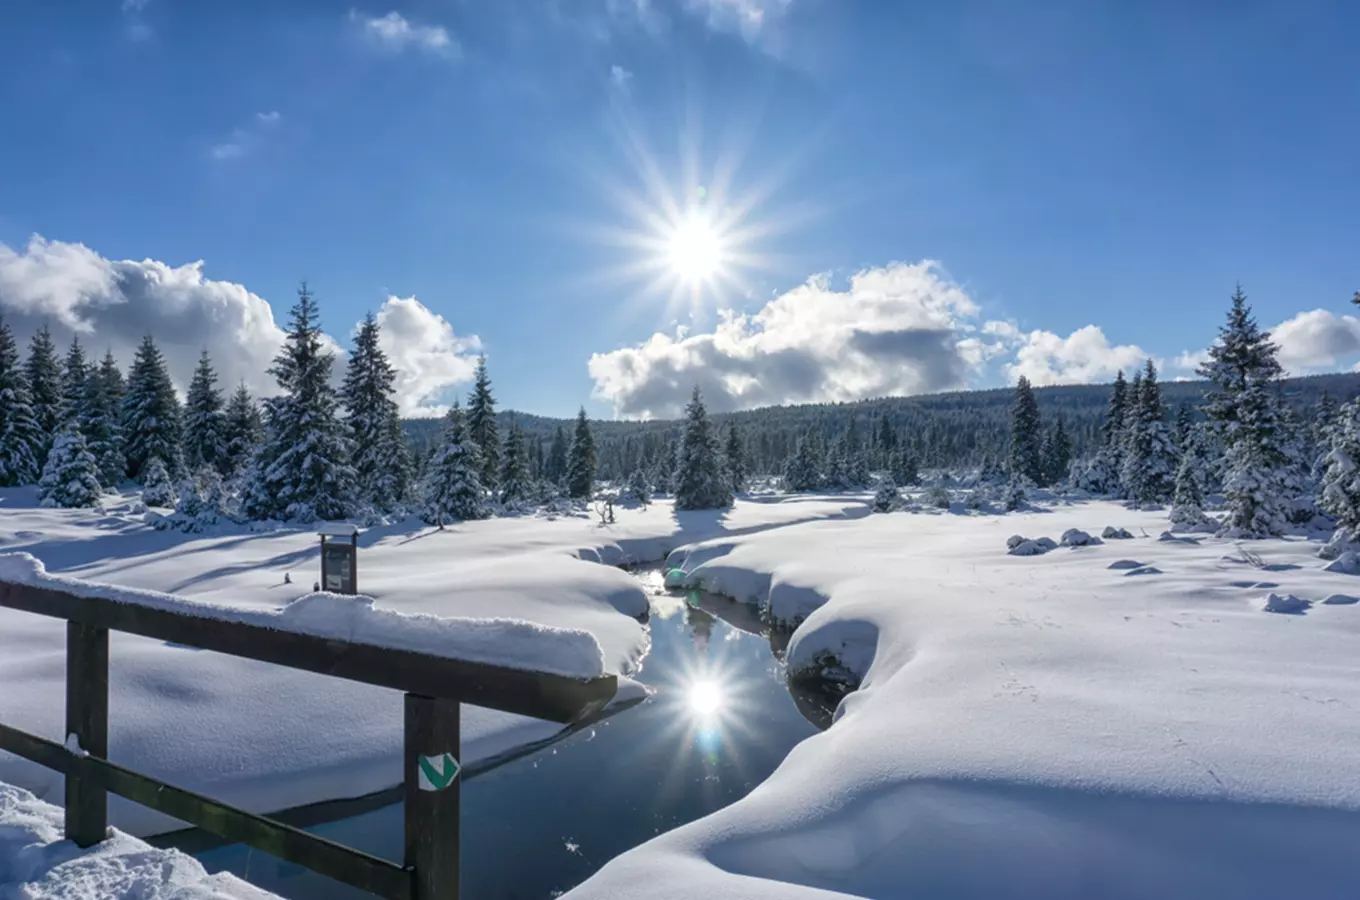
[
  {"x": 705, "y": 698},
  {"x": 694, "y": 249}
]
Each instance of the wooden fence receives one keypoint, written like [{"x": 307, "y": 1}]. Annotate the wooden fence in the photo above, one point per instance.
[{"x": 434, "y": 687}]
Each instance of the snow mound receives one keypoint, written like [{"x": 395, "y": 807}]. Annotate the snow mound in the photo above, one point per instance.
[
  {"x": 1115, "y": 534},
  {"x": 1125, "y": 564},
  {"x": 1014, "y": 541},
  {"x": 1167, "y": 537},
  {"x": 1348, "y": 563},
  {"x": 514, "y": 643},
  {"x": 1028, "y": 548},
  {"x": 37, "y": 864},
  {"x": 1341, "y": 600},
  {"x": 1075, "y": 537},
  {"x": 1047, "y": 543},
  {"x": 1286, "y": 603},
  {"x": 1143, "y": 570}
]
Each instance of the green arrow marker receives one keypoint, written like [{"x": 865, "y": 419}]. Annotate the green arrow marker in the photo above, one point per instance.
[{"x": 437, "y": 772}]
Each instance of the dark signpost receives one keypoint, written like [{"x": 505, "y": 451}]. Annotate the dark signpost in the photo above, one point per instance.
[
  {"x": 434, "y": 686},
  {"x": 339, "y": 559}
]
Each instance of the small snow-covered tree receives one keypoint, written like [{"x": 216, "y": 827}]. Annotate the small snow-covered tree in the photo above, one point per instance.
[
  {"x": 1100, "y": 473},
  {"x": 801, "y": 471},
  {"x": 382, "y": 463},
  {"x": 244, "y": 430},
  {"x": 638, "y": 488},
  {"x": 1148, "y": 473},
  {"x": 157, "y": 488},
  {"x": 453, "y": 490},
  {"x": 101, "y": 421},
  {"x": 887, "y": 497},
  {"x": 151, "y": 412},
  {"x": 70, "y": 480},
  {"x": 514, "y": 481},
  {"x": 903, "y": 467},
  {"x": 734, "y": 460},
  {"x": 481, "y": 425},
  {"x": 1341, "y": 478},
  {"x": 302, "y": 470},
  {"x": 1026, "y": 461},
  {"x": 1187, "y": 500},
  {"x": 1057, "y": 452},
  {"x": 75, "y": 372},
  {"x": 555, "y": 467},
  {"x": 700, "y": 482},
  {"x": 43, "y": 371},
  {"x": 205, "y": 423},
  {"x": 581, "y": 461},
  {"x": 21, "y": 441}
]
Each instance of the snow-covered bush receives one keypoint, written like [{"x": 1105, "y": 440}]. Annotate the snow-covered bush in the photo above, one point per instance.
[
  {"x": 1027, "y": 548},
  {"x": 1075, "y": 537},
  {"x": 1014, "y": 541},
  {"x": 1016, "y": 495},
  {"x": 937, "y": 495},
  {"x": 156, "y": 487},
  {"x": 1116, "y": 534},
  {"x": 886, "y": 498},
  {"x": 1287, "y": 603},
  {"x": 638, "y": 490},
  {"x": 70, "y": 478}
]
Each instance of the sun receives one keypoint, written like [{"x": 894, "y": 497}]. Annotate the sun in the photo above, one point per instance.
[
  {"x": 694, "y": 249},
  {"x": 705, "y": 698}
]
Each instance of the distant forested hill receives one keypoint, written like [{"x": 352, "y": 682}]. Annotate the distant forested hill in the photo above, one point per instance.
[{"x": 957, "y": 428}]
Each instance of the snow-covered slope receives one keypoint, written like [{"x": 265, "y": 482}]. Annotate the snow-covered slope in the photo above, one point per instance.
[
  {"x": 263, "y": 737},
  {"x": 1040, "y": 726}
]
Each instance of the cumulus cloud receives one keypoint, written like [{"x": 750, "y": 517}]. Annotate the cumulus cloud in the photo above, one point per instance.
[
  {"x": 1317, "y": 339},
  {"x": 1083, "y": 357},
  {"x": 111, "y": 304},
  {"x": 397, "y": 33},
  {"x": 619, "y": 77},
  {"x": 428, "y": 356},
  {"x": 747, "y": 17},
  {"x": 898, "y": 329}
]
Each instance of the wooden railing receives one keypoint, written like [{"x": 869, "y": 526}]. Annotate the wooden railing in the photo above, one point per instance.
[{"x": 435, "y": 686}]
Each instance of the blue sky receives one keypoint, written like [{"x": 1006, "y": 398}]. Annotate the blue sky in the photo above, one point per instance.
[{"x": 1066, "y": 164}]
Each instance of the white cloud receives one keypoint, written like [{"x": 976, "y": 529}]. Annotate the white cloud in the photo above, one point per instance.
[
  {"x": 1083, "y": 357},
  {"x": 395, "y": 32},
  {"x": 1316, "y": 340},
  {"x": 247, "y": 138},
  {"x": 428, "y": 356},
  {"x": 619, "y": 77},
  {"x": 747, "y": 17},
  {"x": 111, "y": 304},
  {"x": 894, "y": 330},
  {"x": 1188, "y": 361},
  {"x": 134, "y": 6}
]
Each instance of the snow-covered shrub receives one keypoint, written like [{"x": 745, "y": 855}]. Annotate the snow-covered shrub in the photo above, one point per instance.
[
  {"x": 1286, "y": 603},
  {"x": 937, "y": 495},
  {"x": 1116, "y": 534},
  {"x": 638, "y": 490},
  {"x": 70, "y": 478},
  {"x": 1047, "y": 543},
  {"x": 156, "y": 487},
  {"x": 886, "y": 498},
  {"x": 1016, "y": 495},
  {"x": 1028, "y": 548},
  {"x": 1075, "y": 537},
  {"x": 1014, "y": 541}
]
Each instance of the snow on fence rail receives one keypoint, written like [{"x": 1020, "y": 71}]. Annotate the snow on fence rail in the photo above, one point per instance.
[{"x": 423, "y": 656}]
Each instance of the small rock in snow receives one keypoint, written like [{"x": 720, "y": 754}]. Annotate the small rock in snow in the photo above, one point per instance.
[
  {"x": 1143, "y": 570},
  {"x": 1125, "y": 564},
  {"x": 1047, "y": 543},
  {"x": 1014, "y": 541},
  {"x": 1341, "y": 600},
  {"x": 1028, "y": 548},
  {"x": 1286, "y": 603},
  {"x": 1075, "y": 537},
  {"x": 1117, "y": 534}
]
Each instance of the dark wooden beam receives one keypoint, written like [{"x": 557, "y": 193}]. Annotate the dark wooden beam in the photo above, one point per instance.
[
  {"x": 87, "y": 718},
  {"x": 537, "y": 694},
  {"x": 432, "y": 798},
  {"x": 353, "y": 867}
]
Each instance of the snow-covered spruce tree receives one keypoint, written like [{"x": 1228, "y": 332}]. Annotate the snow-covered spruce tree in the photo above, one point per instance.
[
  {"x": 452, "y": 489},
  {"x": 205, "y": 422},
  {"x": 902, "y": 466},
  {"x": 1148, "y": 473},
  {"x": 1182, "y": 433},
  {"x": 302, "y": 470},
  {"x": 101, "y": 421},
  {"x": 1057, "y": 452},
  {"x": 1341, "y": 479},
  {"x": 151, "y": 412},
  {"x": 886, "y": 498},
  {"x": 157, "y": 488},
  {"x": 481, "y": 425},
  {"x": 514, "y": 476},
  {"x": 1325, "y": 419},
  {"x": 1244, "y": 411},
  {"x": 382, "y": 463},
  {"x": 21, "y": 442},
  {"x": 734, "y": 460},
  {"x": 801, "y": 471},
  {"x": 43, "y": 371},
  {"x": 638, "y": 489},
  {"x": 555, "y": 467},
  {"x": 75, "y": 372},
  {"x": 1187, "y": 500},
  {"x": 244, "y": 430},
  {"x": 1297, "y": 482},
  {"x": 581, "y": 461},
  {"x": 1026, "y": 460},
  {"x": 836, "y": 473},
  {"x": 1100, "y": 473},
  {"x": 700, "y": 482},
  {"x": 70, "y": 480}
]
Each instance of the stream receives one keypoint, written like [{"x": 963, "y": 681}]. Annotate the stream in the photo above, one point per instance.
[{"x": 722, "y": 718}]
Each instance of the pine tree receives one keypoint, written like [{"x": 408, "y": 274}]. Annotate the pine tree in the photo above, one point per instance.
[
  {"x": 21, "y": 441},
  {"x": 1183, "y": 431},
  {"x": 481, "y": 424},
  {"x": 1057, "y": 452},
  {"x": 581, "y": 460},
  {"x": 43, "y": 372},
  {"x": 1187, "y": 501},
  {"x": 903, "y": 466},
  {"x": 244, "y": 430},
  {"x": 514, "y": 476},
  {"x": 157, "y": 489},
  {"x": 382, "y": 463},
  {"x": 1101, "y": 474},
  {"x": 101, "y": 421},
  {"x": 302, "y": 470},
  {"x": 205, "y": 423},
  {"x": 1148, "y": 473},
  {"x": 700, "y": 481},
  {"x": 1341, "y": 479},
  {"x": 151, "y": 412},
  {"x": 638, "y": 487},
  {"x": 452, "y": 489},
  {"x": 1025, "y": 458},
  {"x": 734, "y": 459},
  {"x": 1243, "y": 409},
  {"x": 886, "y": 498},
  {"x": 70, "y": 478},
  {"x": 801, "y": 471},
  {"x": 75, "y": 372},
  {"x": 555, "y": 469}
]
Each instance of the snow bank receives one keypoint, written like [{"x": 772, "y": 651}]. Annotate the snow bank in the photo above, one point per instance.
[
  {"x": 1037, "y": 727},
  {"x": 36, "y": 863}
]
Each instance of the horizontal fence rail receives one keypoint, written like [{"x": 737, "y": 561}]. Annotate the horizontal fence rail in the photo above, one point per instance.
[{"x": 434, "y": 686}]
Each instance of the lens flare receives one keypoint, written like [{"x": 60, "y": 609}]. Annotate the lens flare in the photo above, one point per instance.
[
  {"x": 695, "y": 250},
  {"x": 705, "y": 698}
]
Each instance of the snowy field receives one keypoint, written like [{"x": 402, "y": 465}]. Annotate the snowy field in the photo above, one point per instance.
[
  {"x": 1121, "y": 720},
  {"x": 264, "y": 737}
]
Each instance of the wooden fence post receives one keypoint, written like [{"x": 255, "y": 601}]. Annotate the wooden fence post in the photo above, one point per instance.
[
  {"x": 431, "y": 770},
  {"x": 87, "y": 717}
]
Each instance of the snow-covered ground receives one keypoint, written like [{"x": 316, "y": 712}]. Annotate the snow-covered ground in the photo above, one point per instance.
[
  {"x": 37, "y": 864},
  {"x": 264, "y": 737},
  {"x": 1120, "y": 720}
]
